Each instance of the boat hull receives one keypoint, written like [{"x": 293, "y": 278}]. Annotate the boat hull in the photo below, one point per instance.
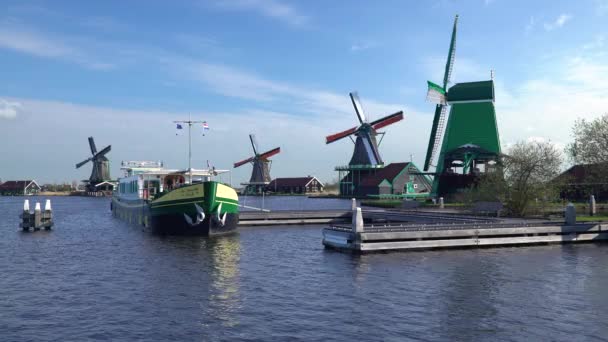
[
  {"x": 207, "y": 209},
  {"x": 177, "y": 225}
]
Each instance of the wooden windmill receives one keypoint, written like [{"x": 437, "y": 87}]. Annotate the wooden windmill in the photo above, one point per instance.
[
  {"x": 101, "y": 165},
  {"x": 260, "y": 173},
  {"x": 366, "y": 155},
  {"x": 466, "y": 140}
]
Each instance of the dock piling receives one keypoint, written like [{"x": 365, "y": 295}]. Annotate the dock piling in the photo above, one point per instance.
[
  {"x": 570, "y": 214},
  {"x": 37, "y": 216},
  {"x": 592, "y": 207},
  {"x": 38, "y": 219},
  {"x": 441, "y": 204},
  {"x": 357, "y": 221}
]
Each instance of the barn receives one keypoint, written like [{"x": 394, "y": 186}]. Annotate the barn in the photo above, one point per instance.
[
  {"x": 295, "y": 185},
  {"x": 582, "y": 180},
  {"x": 19, "y": 187},
  {"x": 400, "y": 179}
]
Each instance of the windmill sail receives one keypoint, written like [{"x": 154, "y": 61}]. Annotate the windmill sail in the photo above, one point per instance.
[
  {"x": 441, "y": 108},
  {"x": 366, "y": 147}
]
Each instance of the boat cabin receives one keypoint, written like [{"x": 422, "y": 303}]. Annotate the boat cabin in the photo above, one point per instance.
[{"x": 145, "y": 179}]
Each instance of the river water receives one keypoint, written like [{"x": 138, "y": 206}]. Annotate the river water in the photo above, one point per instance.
[{"x": 95, "y": 278}]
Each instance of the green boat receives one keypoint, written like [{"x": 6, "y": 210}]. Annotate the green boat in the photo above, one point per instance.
[
  {"x": 164, "y": 202},
  {"x": 176, "y": 202}
]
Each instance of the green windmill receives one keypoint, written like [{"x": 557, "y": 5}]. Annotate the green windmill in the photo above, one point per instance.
[{"x": 466, "y": 140}]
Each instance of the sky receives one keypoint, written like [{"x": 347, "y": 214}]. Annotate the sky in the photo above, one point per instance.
[{"x": 123, "y": 71}]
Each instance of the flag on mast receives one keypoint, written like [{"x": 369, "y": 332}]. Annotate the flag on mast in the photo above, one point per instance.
[
  {"x": 436, "y": 94},
  {"x": 178, "y": 129},
  {"x": 205, "y": 127}
]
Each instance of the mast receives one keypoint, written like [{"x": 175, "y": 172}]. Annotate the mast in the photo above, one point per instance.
[{"x": 189, "y": 122}]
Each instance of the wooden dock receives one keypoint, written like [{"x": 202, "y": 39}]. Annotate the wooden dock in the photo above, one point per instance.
[
  {"x": 289, "y": 217},
  {"x": 372, "y": 216},
  {"x": 359, "y": 238}
]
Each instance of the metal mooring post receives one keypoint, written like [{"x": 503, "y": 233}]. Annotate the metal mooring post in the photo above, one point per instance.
[
  {"x": 570, "y": 214},
  {"x": 592, "y": 208}
]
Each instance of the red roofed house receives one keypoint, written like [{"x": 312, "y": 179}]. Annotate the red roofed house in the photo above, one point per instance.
[
  {"x": 19, "y": 188},
  {"x": 298, "y": 185},
  {"x": 395, "y": 179}
]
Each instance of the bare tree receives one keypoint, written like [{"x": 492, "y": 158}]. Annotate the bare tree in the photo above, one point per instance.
[
  {"x": 530, "y": 168},
  {"x": 527, "y": 175}
]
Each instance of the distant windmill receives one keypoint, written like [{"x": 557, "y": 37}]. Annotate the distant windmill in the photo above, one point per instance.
[
  {"x": 101, "y": 165},
  {"x": 366, "y": 147},
  {"x": 260, "y": 175}
]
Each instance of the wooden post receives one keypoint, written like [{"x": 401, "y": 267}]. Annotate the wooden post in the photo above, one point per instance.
[
  {"x": 25, "y": 216},
  {"x": 37, "y": 216},
  {"x": 48, "y": 215},
  {"x": 592, "y": 208},
  {"x": 357, "y": 221},
  {"x": 570, "y": 214}
]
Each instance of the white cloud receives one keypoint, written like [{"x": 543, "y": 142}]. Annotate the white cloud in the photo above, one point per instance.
[
  {"x": 43, "y": 45},
  {"x": 9, "y": 110},
  {"x": 531, "y": 24},
  {"x": 362, "y": 46},
  {"x": 465, "y": 69},
  {"x": 275, "y": 9},
  {"x": 301, "y": 138},
  {"x": 301, "y": 100},
  {"x": 558, "y": 22},
  {"x": 547, "y": 106}
]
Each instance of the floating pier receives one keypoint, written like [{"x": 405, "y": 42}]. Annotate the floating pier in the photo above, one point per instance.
[
  {"x": 37, "y": 219},
  {"x": 360, "y": 238}
]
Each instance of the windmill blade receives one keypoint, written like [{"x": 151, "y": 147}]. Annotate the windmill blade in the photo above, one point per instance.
[
  {"x": 254, "y": 143},
  {"x": 449, "y": 65},
  {"x": 354, "y": 97},
  {"x": 372, "y": 149},
  {"x": 103, "y": 152},
  {"x": 270, "y": 153},
  {"x": 436, "y": 135},
  {"x": 83, "y": 162},
  {"x": 387, "y": 120},
  {"x": 92, "y": 145},
  {"x": 243, "y": 162},
  {"x": 334, "y": 137}
]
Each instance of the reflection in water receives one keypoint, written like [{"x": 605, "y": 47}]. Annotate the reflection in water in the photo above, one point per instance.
[
  {"x": 468, "y": 296},
  {"x": 224, "y": 298}
]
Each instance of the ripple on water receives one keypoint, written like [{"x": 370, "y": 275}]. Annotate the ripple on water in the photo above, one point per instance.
[{"x": 97, "y": 278}]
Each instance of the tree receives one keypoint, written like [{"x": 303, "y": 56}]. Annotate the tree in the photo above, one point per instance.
[
  {"x": 590, "y": 150},
  {"x": 590, "y": 145},
  {"x": 527, "y": 175}
]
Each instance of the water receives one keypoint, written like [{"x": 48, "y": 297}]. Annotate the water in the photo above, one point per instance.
[{"x": 95, "y": 278}]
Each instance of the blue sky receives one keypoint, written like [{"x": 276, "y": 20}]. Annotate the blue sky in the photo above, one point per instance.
[{"x": 123, "y": 70}]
